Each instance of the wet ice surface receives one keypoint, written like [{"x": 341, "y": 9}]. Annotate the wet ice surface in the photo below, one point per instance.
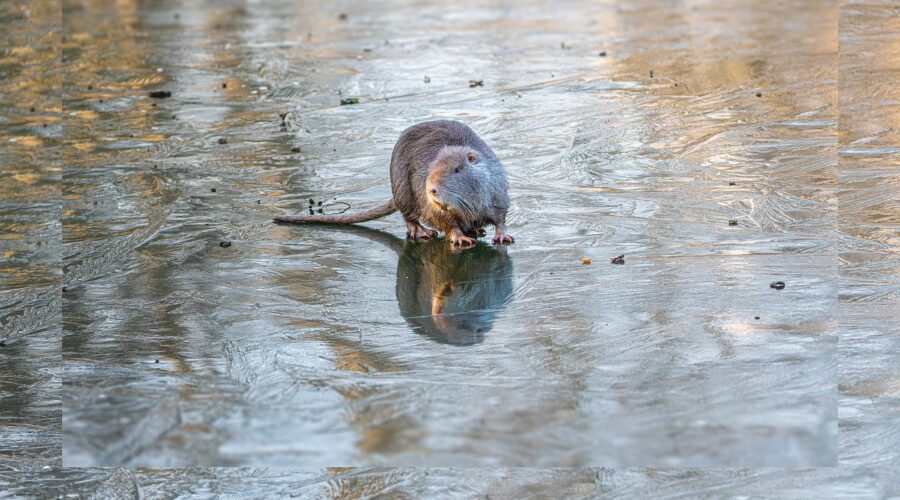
[
  {"x": 336, "y": 482},
  {"x": 30, "y": 334},
  {"x": 869, "y": 173},
  {"x": 310, "y": 346}
]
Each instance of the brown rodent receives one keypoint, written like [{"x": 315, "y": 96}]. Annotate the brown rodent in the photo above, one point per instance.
[{"x": 444, "y": 175}]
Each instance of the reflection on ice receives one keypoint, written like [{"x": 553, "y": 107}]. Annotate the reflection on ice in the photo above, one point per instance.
[{"x": 450, "y": 296}]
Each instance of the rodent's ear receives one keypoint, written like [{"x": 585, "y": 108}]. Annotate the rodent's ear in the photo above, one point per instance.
[{"x": 471, "y": 157}]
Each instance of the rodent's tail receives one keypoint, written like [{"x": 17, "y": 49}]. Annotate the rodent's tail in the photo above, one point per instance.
[{"x": 378, "y": 212}]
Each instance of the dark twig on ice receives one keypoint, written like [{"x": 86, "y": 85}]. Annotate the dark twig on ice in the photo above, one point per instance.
[
  {"x": 336, "y": 203},
  {"x": 324, "y": 206}
]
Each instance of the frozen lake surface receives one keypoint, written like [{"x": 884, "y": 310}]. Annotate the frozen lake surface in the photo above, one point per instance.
[{"x": 699, "y": 141}]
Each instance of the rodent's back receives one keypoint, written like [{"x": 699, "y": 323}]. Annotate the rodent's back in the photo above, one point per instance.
[{"x": 416, "y": 149}]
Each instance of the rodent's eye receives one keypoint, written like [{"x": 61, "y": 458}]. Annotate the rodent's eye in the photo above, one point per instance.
[{"x": 457, "y": 170}]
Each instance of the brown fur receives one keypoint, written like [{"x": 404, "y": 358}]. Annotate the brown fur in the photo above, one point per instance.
[{"x": 468, "y": 183}]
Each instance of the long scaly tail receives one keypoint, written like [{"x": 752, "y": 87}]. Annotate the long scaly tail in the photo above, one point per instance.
[{"x": 378, "y": 212}]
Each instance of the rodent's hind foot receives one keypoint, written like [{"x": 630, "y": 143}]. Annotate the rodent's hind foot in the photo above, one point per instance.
[
  {"x": 503, "y": 239},
  {"x": 462, "y": 241},
  {"x": 415, "y": 231},
  {"x": 458, "y": 239}
]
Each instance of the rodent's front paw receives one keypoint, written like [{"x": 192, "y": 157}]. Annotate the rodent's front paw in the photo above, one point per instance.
[{"x": 503, "y": 239}]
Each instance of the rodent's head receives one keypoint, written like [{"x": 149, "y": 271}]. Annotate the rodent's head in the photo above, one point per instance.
[{"x": 456, "y": 179}]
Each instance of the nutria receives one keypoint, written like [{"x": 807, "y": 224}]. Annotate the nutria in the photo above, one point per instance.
[{"x": 444, "y": 175}]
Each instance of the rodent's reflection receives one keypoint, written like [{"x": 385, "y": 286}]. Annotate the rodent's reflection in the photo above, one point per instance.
[{"x": 452, "y": 297}]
